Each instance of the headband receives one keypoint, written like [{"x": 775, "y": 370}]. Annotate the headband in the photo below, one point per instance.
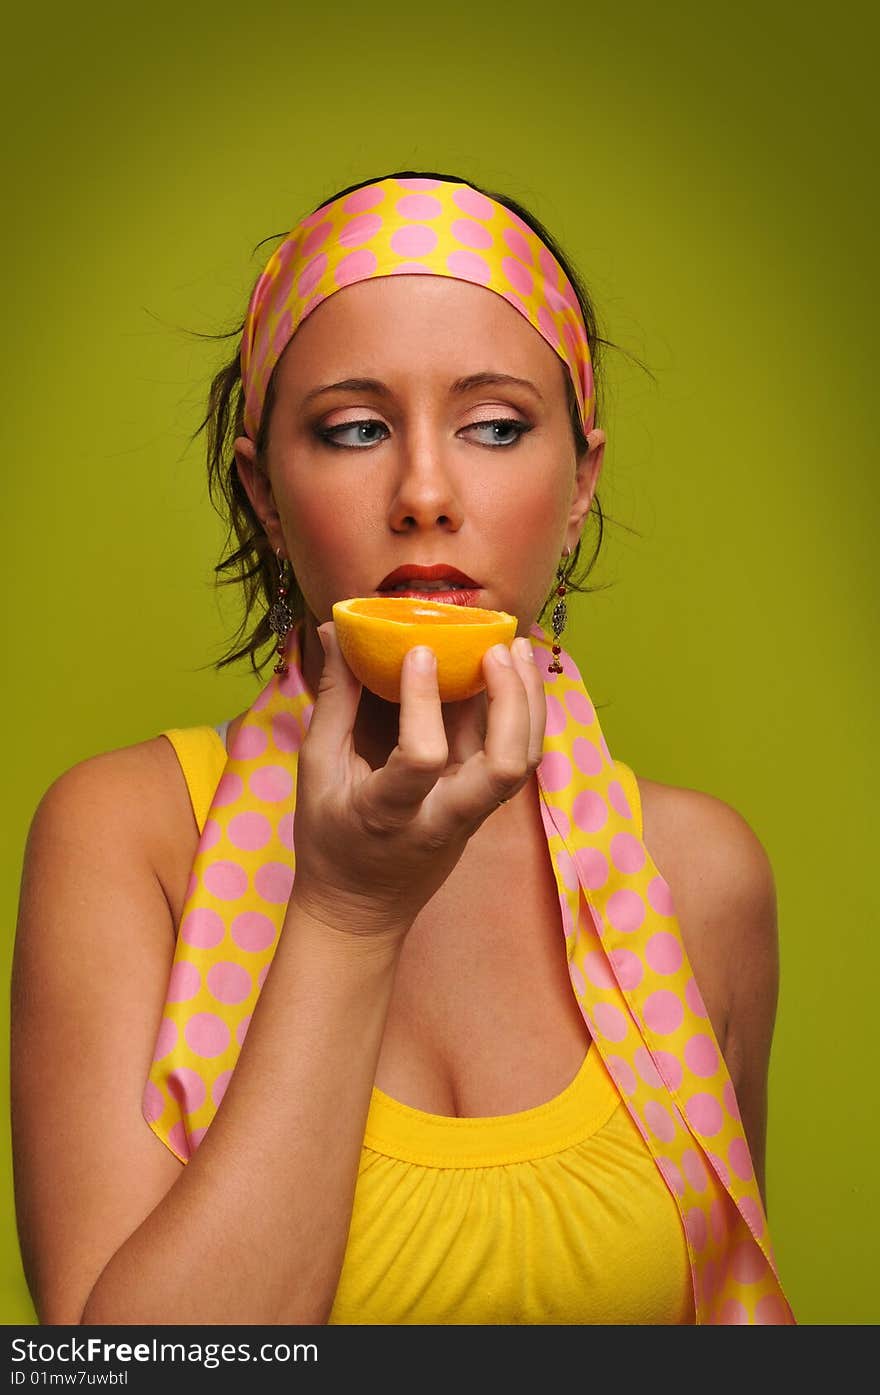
[{"x": 411, "y": 227}]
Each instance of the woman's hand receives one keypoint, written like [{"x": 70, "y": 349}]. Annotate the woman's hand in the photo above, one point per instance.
[{"x": 379, "y": 843}]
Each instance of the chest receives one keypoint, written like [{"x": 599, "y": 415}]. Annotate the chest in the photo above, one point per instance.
[{"x": 483, "y": 1019}]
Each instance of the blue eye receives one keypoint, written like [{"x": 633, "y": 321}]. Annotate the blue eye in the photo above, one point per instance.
[
  {"x": 330, "y": 433},
  {"x": 519, "y": 428}
]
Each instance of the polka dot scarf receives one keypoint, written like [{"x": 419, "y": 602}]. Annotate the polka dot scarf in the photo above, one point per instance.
[
  {"x": 411, "y": 227},
  {"x": 626, "y": 958}
]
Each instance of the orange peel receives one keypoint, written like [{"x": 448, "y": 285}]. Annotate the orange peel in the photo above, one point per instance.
[{"x": 375, "y": 634}]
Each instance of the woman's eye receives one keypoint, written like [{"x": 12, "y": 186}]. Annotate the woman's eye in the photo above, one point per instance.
[
  {"x": 505, "y": 424},
  {"x": 502, "y": 424},
  {"x": 330, "y": 433}
]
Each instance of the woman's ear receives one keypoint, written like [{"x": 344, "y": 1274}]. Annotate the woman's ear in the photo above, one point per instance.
[
  {"x": 589, "y": 468},
  {"x": 258, "y": 488}
]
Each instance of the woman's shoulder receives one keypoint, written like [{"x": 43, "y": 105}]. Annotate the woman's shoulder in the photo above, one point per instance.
[
  {"x": 133, "y": 781},
  {"x": 142, "y": 798},
  {"x": 692, "y": 829},
  {"x": 723, "y": 889}
]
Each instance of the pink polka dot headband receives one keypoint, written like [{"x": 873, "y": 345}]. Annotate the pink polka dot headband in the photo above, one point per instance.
[{"x": 411, "y": 226}]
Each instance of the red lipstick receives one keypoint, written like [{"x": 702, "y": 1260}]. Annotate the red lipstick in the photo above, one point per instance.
[{"x": 462, "y": 589}]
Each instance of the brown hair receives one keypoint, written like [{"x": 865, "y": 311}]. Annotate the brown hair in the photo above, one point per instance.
[{"x": 252, "y": 563}]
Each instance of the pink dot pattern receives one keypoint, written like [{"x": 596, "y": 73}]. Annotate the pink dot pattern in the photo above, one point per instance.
[
  {"x": 401, "y": 226},
  {"x": 627, "y": 952},
  {"x": 628, "y": 968}
]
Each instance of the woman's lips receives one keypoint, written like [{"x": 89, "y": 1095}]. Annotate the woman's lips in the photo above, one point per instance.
[{"x": 416, "y": 575}]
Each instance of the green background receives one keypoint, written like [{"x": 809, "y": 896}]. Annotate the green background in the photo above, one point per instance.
[{"x": 711, "y": 170}]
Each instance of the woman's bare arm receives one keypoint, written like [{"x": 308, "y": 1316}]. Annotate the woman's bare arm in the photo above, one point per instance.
[
  {"x": 725, "y": 900},
  {"x": 253, "y": 1229},
  {"x": 749, "y": 946},
  {"x": 113, "y": 1228}
]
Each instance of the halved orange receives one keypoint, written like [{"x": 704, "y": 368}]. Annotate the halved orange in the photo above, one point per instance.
[{"x": 375, "y": 632}]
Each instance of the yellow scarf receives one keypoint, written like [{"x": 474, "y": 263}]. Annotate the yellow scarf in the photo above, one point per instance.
[{"x": 626, "y": 959}]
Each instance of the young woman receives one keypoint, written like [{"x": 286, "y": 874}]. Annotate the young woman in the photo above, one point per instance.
[{"x": 452, "y": 1018}]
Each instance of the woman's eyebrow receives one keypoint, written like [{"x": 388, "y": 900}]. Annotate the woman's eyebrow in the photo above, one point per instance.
[{"x": 461, "y": 385}]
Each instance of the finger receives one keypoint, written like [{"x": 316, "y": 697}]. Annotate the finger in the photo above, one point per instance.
[
  {"x": 337, "y": 700},
  {"x": 508, "y": 729},
  {"x": 466, "y": 721},
  {"x": 502, "y": 766},
  {"x": 396, "y": 791},
  {"x": 534, "y": 685}
]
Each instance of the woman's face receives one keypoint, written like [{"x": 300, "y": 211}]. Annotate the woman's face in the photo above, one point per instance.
[{"x": 362, "y": 480}]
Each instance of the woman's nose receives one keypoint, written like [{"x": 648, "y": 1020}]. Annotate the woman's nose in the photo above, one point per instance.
[{"x": 425, "y": 491}]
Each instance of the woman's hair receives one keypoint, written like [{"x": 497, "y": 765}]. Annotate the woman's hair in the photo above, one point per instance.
[{"x": 252, "y": 564}]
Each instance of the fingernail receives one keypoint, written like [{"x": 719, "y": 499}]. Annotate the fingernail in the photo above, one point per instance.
[
  {"x": 524, "y": 649},
  {"x": 502, "y": 654},
  {"x": 325, "y": 641},
  {"x": 423, "y": 658}
]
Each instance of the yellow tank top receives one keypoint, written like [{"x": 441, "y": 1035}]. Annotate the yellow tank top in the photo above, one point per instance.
[{"x": 556, "y": 1214}]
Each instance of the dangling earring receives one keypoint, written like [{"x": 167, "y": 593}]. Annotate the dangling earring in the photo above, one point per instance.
[
  {"x": 280, "y": 614},
  {"x": 560, "y": 614}
]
